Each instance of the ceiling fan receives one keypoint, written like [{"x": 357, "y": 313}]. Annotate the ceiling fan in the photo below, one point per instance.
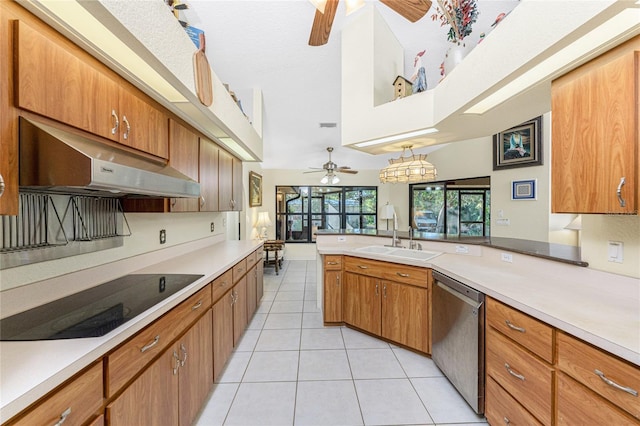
[
  {"x": 331, "y": 168},
  {"x": 411, "y": 10}
]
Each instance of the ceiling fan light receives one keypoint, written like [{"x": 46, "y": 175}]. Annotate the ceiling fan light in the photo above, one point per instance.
[
  {"x": 353, "y": 5},
  {"x": 335, "y": 179},
  {"x": 324, "y": 180},
  {"x": 319, "y": 4}
]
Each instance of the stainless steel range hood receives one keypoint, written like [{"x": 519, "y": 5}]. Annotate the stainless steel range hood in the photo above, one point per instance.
[{"x": 55, "y": 160}]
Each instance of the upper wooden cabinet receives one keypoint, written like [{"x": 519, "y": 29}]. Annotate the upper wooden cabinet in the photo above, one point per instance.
[
  {"x": 56, "y": 79},
  {"x": 183, "y": 156},
  {"x": 595, "y": 127},
  {"x": 208, "y": 176}
]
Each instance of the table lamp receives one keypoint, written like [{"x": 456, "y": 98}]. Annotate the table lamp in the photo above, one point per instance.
[{"x": 262, "y": 223}]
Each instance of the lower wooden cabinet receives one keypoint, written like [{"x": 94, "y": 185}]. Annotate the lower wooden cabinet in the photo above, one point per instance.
[
  {"x": 239, "y": 309},
  {"x": 502, "y": 409},
  {"x": 252, "y": 291},
  {"x": 392, "y": 309},
  {"x": 75, "y": 403},
  {"x": 171, "y": 391},
  {"x": 332, "y": 289},
  {"x": 222, "y": 332}
]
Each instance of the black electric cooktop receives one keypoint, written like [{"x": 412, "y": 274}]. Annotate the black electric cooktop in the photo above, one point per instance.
[{"x": 96, "y": 311}]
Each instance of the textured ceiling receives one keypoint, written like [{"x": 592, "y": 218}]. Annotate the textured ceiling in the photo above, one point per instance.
[{"x": 263, "y": 44}]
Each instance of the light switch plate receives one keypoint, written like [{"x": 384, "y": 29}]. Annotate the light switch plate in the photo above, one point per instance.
[
  {"x": 616, "y": 251},
  {"x": 503, "y": 222}
]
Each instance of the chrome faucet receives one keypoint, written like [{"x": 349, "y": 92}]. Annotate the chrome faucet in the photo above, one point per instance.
[
  {"x": 413, "y": 244},
  {"x": 395, "y": 240}
]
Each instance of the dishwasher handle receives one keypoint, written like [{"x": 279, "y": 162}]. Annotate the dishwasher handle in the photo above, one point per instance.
[
  {"x": 457, "y": 288},
  {"x": 469, "y": 301}
]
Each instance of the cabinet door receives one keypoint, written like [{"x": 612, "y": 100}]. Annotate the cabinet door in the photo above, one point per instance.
[
  {"x": 260, "y": 270},
  {"x": 361, "y": 302},
  {"x": 236, "y": 185},
  {"x": 240, "y": 310},
  {"x": 152, "y": 399},
  {"x": 143, "y": 126},
  {"x": 9, "y": 116},
  {"x": 225, "y": 182},
  {"x": 183, "y": 156},
  {"x": 595, "y": 135},
  {"x": 208, "y": 176},
  {"x": 252, "y": 292},
  {"x": 196, "y": 368},
  {"x": 332, "y": 296},
  {"x": 222, "y": 332},
  {"x": 405, "y": 315}
]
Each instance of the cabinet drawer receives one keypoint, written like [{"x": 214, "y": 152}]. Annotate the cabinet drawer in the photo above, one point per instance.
[
  {"x": 332, "y": 263},
  {"x": 220, "y": 285},
  {"x": 501, "y": 408},
  {"x": 578, "y": 405},
  {"x": 251, "y": 260},
  {"x": 527, "y": 379},
  {"x": 239, "y": 270},
  {"x": 581, "y": 361},
  {"x": 529, "y": 332},
  {"x": 129, "y": 359},
  {"x": 372, "y": 268},
  {"x": 406, "y": 274},
  {"x": 81, "y": 399}
]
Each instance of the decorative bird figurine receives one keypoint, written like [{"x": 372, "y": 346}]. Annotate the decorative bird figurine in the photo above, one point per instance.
[{"x": 419, "y": 77}]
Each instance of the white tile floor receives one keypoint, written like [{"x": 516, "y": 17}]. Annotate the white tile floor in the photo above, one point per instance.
[{"x": 291, "y": 370}]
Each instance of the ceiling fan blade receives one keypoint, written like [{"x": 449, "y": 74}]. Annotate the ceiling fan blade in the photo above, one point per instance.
[
  {"x": 411, "y": 10},
  {"x": 346, "y": 170},
  {"x": 322, "y": 23},
  {"x": 315, "y": 171}
]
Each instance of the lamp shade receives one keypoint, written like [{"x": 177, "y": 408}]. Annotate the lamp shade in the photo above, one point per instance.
[
  {"x": 413, "y": 168},
  {"x": 387, "y": 211},
  {"x": 263, "y": 220}
]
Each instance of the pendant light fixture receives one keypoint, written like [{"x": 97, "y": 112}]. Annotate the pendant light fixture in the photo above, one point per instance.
[
  {"x": 413, "y": 168},
  {"x": 329, "y": 178}
]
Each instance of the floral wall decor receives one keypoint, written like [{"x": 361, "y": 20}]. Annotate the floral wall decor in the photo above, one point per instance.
[{"x": 459, "y": 15}]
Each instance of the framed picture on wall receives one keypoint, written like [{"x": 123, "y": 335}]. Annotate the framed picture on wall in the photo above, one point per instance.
[
  {"x": 524, "y": 189},
  {"x": 519, "y": 146},
  {"x": 255, "y": 189}
]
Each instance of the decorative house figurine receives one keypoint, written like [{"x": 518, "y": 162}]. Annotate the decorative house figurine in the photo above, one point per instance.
[{"x": 402, "y": 86}]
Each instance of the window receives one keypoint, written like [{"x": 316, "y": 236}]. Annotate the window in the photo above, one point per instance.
[
  {"x": 301, "y": 210},
  {"x": 467, "y": 203}
]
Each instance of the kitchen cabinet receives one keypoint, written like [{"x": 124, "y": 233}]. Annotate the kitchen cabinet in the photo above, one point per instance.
[
  {"x": 388, "y": 300},
  {"x": 222, "y": 332},
  {"x": 516, "y": 348},
  {"x": 332, "y": 304},
  {"x": 260, "y": 274},
  {"x": 126, "y": 361},
  {"x": 208, "y": 176},
  {"x": 252, "y": 291},
  {"x": 502, "y": 408},
  {"x": 53, "y": 77},
  {"x": 173, "y": 388},
  {"x": 75, "y": 403},
  {"x": 230, "y": 182},
  {"x": 239, "y": 309},
  {"x": 183, "y": 156},
  {"x": 596, "y": 376},
  {"x": 9, "y": 117},
  {"x": 595, "y": 131}
]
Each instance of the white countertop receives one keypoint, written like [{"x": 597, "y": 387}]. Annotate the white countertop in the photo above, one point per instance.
[
  {"x": 28, "y": 370},
  {"x": 598, "y": 307}
]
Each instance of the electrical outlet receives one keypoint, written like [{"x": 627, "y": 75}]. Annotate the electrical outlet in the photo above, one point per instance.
[
  {"x": 213, "y": 226},
  {"x": 224, "y": 222},
  {"x": 507, "y": 257},
  {"x": 503, "y": 222},
  {"x": 462, "y": 249},
  {"x": 163, "y": 236},
  {"x": 342, "y": 239},
  {"x": 616, "y": 251}
]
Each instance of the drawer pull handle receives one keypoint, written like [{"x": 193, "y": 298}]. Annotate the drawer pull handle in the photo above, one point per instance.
[
  {"x": 150, "y": 345},
  {"x": 401, "y": 274},
  {"x": 184, "y": 351},
  {"x": 506, "y": 421},
  {"x": 197, "y": 305},
  {"x": 177, "y": 360},
  {"x": 513, "y": 373},
  {"x": 615, "y": 385},
  {"x": 514, "y": 327},
  {"x": 332, "y": 263},
  {"x": 63, "y": 416},
  {"x": 363, "y": 267}
]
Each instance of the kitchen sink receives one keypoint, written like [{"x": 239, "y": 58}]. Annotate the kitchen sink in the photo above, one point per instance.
[{"x": 400, "y": 252}]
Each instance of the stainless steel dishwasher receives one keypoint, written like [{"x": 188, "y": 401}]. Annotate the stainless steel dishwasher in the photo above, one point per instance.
[{"x": 458, "y": 337}]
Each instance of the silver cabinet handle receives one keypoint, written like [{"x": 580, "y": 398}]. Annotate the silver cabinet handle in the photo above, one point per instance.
[
  {"x": 116, "y": 122},
  {"x": 173, "y": 202},
  {"x": 513, "y": 373},
  {"x": 232, "y": 299},
  {"x": 384, "y": 291},
  {"x": 332, "y": 263},
  {"x": 1, "y": 185},
  {"x": 400, "y": 274},
  {"x": 377, "y": 291},
  {"x": 615, "y": 385},
  {"x": 63, "y": 416},
  {"x": 506, "y": 421},
  {"x": 619, "y": 192},
  {"x": 515, "y": 327},
  {"x": 184, "y": 351},
  {"x": 177, "y": 360},
  {"x": 337, "y": 280},
  {"x": 126, "y": 122},
  {"x": 363, "y": 267},
  {"x": 201, "y": 201},
  {"x": 150, "y": 345},
  {"x": 196, "y": 306}
]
